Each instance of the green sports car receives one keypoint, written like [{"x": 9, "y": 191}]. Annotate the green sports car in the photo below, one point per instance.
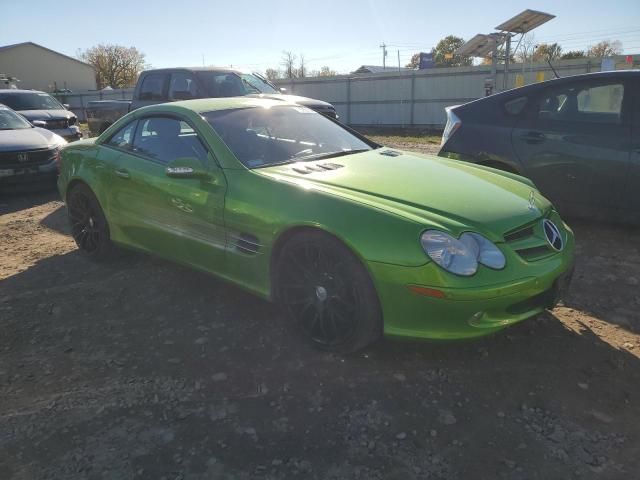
[{"x": 352, "y": 239}]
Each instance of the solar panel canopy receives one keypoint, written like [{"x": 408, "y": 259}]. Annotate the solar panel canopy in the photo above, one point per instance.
[{"x": 525, "y": 21}]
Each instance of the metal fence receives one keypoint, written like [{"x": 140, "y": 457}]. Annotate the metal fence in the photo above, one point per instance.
[
  {"x": 418, "y": 98},
  {"x": 77, "y": 101},
  {"x": 396, "y": 99}
]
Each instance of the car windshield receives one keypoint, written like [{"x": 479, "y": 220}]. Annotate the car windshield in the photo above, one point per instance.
[
  {"x": 261, "y": 137},
  {"x": 232, "y": 84},
  {"x": 255, "y": 83},
  {"x": 30, "y": 101},
  {"x": 10, "y": 120}
]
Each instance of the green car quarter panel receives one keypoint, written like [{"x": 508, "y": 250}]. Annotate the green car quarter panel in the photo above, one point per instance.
[{"x": 233, "y": 221}]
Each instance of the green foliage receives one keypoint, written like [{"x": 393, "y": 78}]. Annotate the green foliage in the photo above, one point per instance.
[{"x": 446, "y": 47}]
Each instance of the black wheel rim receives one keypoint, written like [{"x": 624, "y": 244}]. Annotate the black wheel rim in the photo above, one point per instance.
[
  {"x": 86, "y": 228},
  {"x": 318, "y": 291}
]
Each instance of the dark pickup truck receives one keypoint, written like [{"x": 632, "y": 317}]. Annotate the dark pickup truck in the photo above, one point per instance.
[{"x": 173, "y": 84}]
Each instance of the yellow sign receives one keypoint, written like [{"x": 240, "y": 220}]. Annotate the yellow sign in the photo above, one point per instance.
[
  {"x": 448, "y": 56},
  {"x": 519, "y": 80},
  {"x": 539, "y": 76}
]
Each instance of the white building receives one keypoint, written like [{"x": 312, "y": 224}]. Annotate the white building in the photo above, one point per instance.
[{"x": 40, "y": 68}]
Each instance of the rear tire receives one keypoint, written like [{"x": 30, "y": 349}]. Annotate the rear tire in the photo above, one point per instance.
[
  {"x": 327, "y": 293},
  {"x": 89, "y": 227}
]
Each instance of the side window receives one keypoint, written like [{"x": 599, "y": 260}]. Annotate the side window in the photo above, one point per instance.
[
  {"x": 515, "y": 106},
  {"x": 165, "y": 139},
  {"x": 182, "y": 86},
  {"x": 583, "y": 103},
  {"x": 152, "y": 87},
  {"x": 123, "y": 137}
]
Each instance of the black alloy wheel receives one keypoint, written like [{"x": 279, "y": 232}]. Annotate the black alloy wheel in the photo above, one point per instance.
[{"x": 327, "y": 292}]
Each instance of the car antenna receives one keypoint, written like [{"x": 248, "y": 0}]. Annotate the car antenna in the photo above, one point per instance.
[{"x": 554, "y": 70}]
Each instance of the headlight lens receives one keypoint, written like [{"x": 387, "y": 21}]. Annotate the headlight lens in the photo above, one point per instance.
[
  {"x": 450, "y": 253},
  {"x": 461, "y": 256}
]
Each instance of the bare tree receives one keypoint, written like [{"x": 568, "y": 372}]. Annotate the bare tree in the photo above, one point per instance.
[
  {"x": 526, "y": 48},
  {"x": 605, "y": 48},
  {"x": 288, "y": 62},
  {"x": 272, "y": 74},
  {"x": 302, "y": 68},
  {"x": 115, "y": 66}
]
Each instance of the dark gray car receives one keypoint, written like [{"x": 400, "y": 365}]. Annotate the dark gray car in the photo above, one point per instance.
[
  {"x": 28, "y": 154},
  {"x": 43, "y": 110},
  {"x": 577, "y": 138}
]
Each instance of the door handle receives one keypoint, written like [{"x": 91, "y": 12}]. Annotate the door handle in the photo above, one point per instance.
[
  {"x": 122, "y": 173},
  {"x": 533, "y": 137}
]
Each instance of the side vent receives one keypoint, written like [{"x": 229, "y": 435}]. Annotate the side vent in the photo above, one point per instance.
[
  {"x": 248, "y": 244},
  {"x": 316, "y": 167}
]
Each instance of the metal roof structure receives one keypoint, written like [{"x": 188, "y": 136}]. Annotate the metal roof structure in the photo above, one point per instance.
[{"x": 525, "y": 21}]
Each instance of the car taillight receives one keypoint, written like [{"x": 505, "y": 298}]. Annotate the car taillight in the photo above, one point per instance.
[{"x": 453, "y": 123}]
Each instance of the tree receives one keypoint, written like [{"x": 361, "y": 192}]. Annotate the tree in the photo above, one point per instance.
[
  {"x": 446, "y": 48},
  {"x": 272, "y": 74},
  {"x": 115, "y": 66},
  {"x": 605, "y": 48},
  {"x": 526, "y": 49},
  {"x": 326, "y": 72},
  {"x": 415, "y": 61},
  {"x": 547, "y": 52},
  {"x": 572, "y": 54},
  {"x": 288, "y": 62},
  {"x": 302, "y": 69}
]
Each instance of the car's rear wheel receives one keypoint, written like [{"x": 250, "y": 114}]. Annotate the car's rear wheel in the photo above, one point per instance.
[
  {"x": 89, "y": 226},
  {"x": 326, "y": 291}
]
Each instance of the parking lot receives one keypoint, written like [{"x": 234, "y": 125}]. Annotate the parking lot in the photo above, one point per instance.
[{"x": 141, "y": 368}]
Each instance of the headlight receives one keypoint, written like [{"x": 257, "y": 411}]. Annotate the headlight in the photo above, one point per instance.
[
  {"x": 450, "y": 253},
  {"x": 461, "y": 256}
]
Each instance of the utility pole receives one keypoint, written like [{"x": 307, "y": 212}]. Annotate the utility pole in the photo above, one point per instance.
[
  {"x": 384, "y": 55},
  {"x": 398, "y": 60}
]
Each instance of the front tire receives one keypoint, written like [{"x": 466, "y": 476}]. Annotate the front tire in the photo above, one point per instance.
[
  {"x": 89, "y": 227},
  {"x": 327, "y": 293}
]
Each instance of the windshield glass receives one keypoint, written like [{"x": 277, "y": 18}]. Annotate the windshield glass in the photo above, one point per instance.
[
  {"x": 30, "y": 101},
  {"x": 261, "y": 137},
  {"x": 10, "y": 120},
  {"x": 253, "y": 82},
  {"x": 232, "y": 84}
]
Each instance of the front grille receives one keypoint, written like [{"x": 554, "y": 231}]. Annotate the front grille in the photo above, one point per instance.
[
  {"x": 529, "y": 241},
  {"x": 26, "y": 158},
  {"x": 57, "y": 124}
]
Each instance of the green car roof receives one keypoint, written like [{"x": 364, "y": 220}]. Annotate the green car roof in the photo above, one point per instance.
[{"x": 202, "y": 105}]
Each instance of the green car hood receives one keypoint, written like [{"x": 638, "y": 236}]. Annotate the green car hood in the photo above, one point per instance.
[{"x": 431, "y": 190}]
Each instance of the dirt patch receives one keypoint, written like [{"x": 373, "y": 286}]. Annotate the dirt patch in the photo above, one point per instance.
[{"x": 143, "y": 369}]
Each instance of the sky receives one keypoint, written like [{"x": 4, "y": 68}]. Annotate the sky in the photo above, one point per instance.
[{"x": 340, "y": 34}]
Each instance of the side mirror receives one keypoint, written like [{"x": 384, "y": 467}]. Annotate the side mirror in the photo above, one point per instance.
[
  {"x": 283, "y": 90},
  {"x": 66, "y": 105},
  {"x": 39, "y": 123},
  {"x": 187, "y": 168}
]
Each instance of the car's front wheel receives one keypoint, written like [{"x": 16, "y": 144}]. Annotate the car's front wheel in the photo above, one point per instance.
[
  {"x": 326, "y": 291},
  {"x": 89, "y": 226}
]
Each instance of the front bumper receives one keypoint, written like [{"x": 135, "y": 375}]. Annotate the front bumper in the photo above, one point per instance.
[
  {"x": 459, "y": 313},
  {"x": 40, "y": 174}
]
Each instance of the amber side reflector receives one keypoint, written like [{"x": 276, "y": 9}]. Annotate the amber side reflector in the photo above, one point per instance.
[{"x": 427, "y": 292}]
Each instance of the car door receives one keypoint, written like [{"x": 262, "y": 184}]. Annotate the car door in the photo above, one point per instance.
[
  {"x": 632, "y": 190},
  {"x": 177, "y": 218},
  {"x": 574, "y": 144}
]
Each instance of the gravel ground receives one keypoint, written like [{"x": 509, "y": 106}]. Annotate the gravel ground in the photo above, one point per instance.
[{"x": 143, "y": 369}]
